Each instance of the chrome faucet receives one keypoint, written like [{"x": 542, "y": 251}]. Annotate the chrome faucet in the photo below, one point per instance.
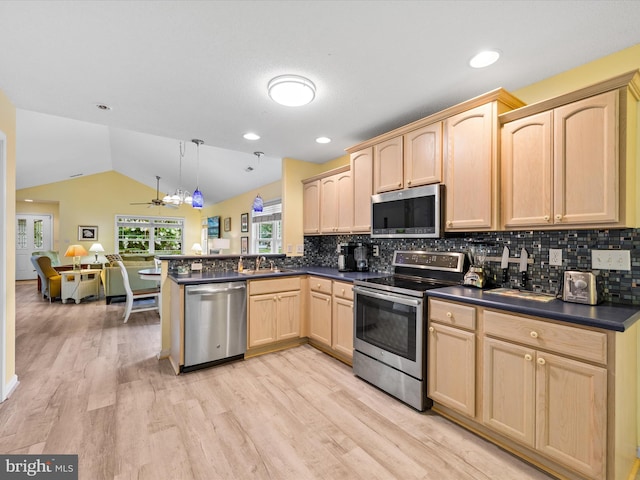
[{"x": 259, "y": 261}]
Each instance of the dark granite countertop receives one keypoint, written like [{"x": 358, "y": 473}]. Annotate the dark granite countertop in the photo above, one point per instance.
[
  {"x": 608, "y": 316},
  {"x": 232, "y": 276}
]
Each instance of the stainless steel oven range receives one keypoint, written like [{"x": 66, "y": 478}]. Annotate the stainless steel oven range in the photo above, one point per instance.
[{"x": 390, "y": 320}]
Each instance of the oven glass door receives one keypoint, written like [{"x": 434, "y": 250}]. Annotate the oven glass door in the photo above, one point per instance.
[{"x": 389, "y": 327}]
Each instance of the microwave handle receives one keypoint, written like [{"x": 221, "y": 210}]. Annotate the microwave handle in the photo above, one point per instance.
[{"x": 389, "y": 298}]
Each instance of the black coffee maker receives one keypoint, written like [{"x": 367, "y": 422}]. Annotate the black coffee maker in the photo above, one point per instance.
[{"x": 353, "y": 257}]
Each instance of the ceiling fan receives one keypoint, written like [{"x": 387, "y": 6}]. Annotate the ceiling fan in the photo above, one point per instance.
[{"x": 156, "y": 202}]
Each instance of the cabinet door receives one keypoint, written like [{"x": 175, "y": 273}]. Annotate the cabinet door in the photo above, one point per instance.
[
  {"x": 344, "y": 202},
  {"x": 328, "y": 204},
  {"x": 311, "y": 207},
  {"x": 469, "y": 169},
  {"x": 586, "y": 161},
  {"x": 320, "y": 317},
  {"x": 288, "y": 315},
  {"x": 262, "y": 319},
  {"x": 452, "y": 368},
  {"x": 343, "y": 326},
  {"x": 362, "y": 181},
  {"x": 423, "y": 156},
  {"x": 571, "y": 413},
  {"x": 509, "y": 390},
  {"x": 527, "y": 179},
  {"x": 387, "y": 166}
]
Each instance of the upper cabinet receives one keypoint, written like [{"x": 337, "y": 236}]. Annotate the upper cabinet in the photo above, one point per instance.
[
  {"x": 568, "y": 162},
  {"x": 362, "y": 186},
  {"x": 328, "y": 202},
  {"x": 387, "y": 166},
  {"x": 311, "y": 207}
]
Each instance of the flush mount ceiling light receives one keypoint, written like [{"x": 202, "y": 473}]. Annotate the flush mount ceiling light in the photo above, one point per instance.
[
  {"x": 484, "y": 59},
  {"x": 323, "y": 140},
  {"x": 291, "y": 90},
  {"x": 251, "y": 136},
  {"x": 103, "y": 106}
]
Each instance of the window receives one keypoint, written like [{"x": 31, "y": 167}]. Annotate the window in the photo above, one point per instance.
[
  {"x": 149, "y": 235},
  {"x": 266, "y": 230}
]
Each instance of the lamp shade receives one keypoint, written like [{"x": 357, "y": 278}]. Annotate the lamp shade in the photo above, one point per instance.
[
  {"x": 196, "y": 248},
  {"x": 258, "y": 204},
  {"x": 76, "y": 251},
  {"x": 96, "y": 247},
  {"x": 197, "y": 201}
]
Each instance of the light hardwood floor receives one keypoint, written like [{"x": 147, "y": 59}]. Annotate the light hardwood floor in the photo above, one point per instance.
[{"x": 91, "y": 385}]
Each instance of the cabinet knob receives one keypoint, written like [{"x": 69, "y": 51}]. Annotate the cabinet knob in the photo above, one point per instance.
[
  {"x": 449, "y": 315},
  {"x": 318, "y": 285},
  {"x": 527, "y": 357},
  {"x": 343, "y": 291},
  {"x": 541, "y": 361},
  {"x": 275, "y": 298},
  {"x": 431, "y": 329},
  {"x": 558, "y": 217},
  {"x": 534, "y": 334},
  {"x": 449, "y": 223},
  {"x": 279, "y": 298},
  {"x": 546, "y": 218},
  {"x": 399, "y": 184},
  {"x": 408, "y": 182},
  {"x": 328, "y": 300}
]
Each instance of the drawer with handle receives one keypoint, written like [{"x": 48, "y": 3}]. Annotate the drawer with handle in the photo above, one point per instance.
[{"x": 454, "y": 314}]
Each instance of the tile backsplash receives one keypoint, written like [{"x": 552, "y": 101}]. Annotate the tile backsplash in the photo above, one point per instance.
[{"x": 576, "y": 245}]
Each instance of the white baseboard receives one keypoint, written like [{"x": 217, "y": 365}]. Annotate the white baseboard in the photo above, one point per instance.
[
  {"x": 9, "y": 388},
  {"x": 163, "y": 354}
]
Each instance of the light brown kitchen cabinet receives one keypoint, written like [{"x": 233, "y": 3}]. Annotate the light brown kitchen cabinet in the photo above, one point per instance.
[
  {"x": 336, "y": 203},
  {"x": 362, "y": 185},
  {"x": 274, "y": 311},
  {"x": 311, "y": 207},
  {"x": 470, "y": 170},
  {"x": 539, "y": 396},
  {"x": 569, "y": 162},
  {"x": 451, "y": 361},
  {"x": 388, "y": 172},
  {"x": 320, "y": 310},
  {"x": 342, "y": 318},
  {"x": 560, "y": 168},
  {"x": 422, "y": 152}
]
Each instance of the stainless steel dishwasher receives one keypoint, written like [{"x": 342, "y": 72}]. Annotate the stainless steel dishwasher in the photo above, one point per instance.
[{"x": 215, "y": 324}]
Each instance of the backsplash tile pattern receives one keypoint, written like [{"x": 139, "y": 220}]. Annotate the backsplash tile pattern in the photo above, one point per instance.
[{"x": 576, "y": 246}]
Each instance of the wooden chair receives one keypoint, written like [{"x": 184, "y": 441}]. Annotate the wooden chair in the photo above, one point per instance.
[
  {"x": 51, "y": 280},
  {"x": 137, "y": 295}
]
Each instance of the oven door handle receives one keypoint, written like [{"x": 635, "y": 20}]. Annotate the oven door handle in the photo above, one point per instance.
[{"x": 387, "y": 297}]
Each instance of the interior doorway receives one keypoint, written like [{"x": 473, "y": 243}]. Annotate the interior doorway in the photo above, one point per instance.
[{"x": 33, "y": 233}]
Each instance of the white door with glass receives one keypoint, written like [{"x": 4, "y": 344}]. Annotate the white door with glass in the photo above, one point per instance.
[{"x": 33, "y": 233}]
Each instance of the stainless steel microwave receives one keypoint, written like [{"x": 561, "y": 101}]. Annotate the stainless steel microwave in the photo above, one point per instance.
[{"x": 411, "y": 213}]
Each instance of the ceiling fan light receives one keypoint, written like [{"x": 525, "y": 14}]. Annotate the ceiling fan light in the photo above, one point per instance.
[
  {"x": 198, "y": 199},
  {"x": 188, "y": 199},
  {"x": 167, "y": 198},
  {"x": 291, "y": 90}
]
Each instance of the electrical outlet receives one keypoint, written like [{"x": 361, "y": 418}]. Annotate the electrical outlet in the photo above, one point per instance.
[
  {"x": 289, "y": 248},
  {"x": 555, "y": 256},
  {"x": 376, "y": 250},
  {"x": 611, "y": 259},
  {"x": 196, "y": 267},
  {"x": 300, "y": 248}
]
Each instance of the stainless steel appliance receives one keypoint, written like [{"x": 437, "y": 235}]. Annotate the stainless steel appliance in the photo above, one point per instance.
[
  {"x": 215, "y": 324},
  {"x": 582, "y": 287},
  {"x": 346, "y": 257},
  {"x": 390, "y": 316},
  {"x": 411, "y": 213}
]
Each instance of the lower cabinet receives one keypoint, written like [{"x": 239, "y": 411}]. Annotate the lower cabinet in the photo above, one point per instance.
[
  {"x": 274, "y": 311},
  {"x": 331, "y": 316},
  {"x": 547, "y": 390}
]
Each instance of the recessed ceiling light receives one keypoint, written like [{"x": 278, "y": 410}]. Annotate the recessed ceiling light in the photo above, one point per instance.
[
  {"x": 251, "y": 136},
  {"x": 28, "y": 200},
  {"x": 484, "y": 59},
  {"x": 291, "y": 90},
  {"x": 102, "y": 106},
  {"x": 323, "y": 140}
]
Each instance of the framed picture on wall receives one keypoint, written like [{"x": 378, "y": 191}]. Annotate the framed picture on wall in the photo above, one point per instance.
[
  {"x": 244, "y": 222},
  {"x": 87, "y": 232},
  {"x": 213, "y": 227},
  {"x": 227, "y": 224},
  {"x": 244, "y": 245}
]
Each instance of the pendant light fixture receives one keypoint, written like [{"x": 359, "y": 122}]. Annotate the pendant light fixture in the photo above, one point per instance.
[
  {"x": 258, "y": 204},
  {"x": 181, "y": 196},
  {"x": 198, "y": 199}
]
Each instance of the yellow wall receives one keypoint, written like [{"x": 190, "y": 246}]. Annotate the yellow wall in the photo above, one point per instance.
[
  {"x": 8, "y": 217},
  {"x": 96, "y": 200},
  {"x": 236, "y": 206}
]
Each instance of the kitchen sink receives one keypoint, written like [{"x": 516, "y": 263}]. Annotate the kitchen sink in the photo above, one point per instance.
[{"x": 266, "y": 271}]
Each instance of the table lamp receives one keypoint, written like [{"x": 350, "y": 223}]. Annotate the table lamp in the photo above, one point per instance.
[
  {"x": 218, "y": 244},
  {"x": 76, "y": 251},
  {"x": 95, "y": 248},
  {"x": 196, "y": 249}
]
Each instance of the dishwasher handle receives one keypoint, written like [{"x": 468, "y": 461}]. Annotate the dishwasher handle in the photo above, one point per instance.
[{"x": 209, "y": 291}]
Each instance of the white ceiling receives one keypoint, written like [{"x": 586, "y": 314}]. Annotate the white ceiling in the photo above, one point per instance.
[{"x": 178, "y": 70}]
